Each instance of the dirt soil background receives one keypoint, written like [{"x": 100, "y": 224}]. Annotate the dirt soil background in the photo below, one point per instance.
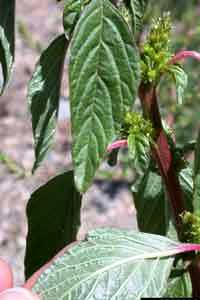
[{"x": 107, "y": 203}]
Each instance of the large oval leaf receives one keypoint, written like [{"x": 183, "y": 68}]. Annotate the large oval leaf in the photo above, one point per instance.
[
  {"x": 111, "y": 264},
  {"x": 44, "y": 94},
  {"x": 103, "y": 83},
  {"x": 53, "y": 213},
  {"x": 7, "y": 39}
]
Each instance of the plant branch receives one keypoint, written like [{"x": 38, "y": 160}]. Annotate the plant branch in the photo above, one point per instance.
[{"x": 162, "y": 153}]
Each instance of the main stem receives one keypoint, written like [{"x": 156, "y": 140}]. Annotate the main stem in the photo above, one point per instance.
[
  {"x": 163, "y": 156},
  {"x": 161, "y": 152}
]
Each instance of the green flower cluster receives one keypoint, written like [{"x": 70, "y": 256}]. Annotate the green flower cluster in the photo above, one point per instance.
[
  {"x": 136, "y": 125},
  {"x": 139, "y": 134},
  {"x": 191, "y": 227},
  {"x": 156, "y": 50}
]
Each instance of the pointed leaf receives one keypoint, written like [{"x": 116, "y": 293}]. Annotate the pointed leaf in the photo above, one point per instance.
[
  {"x": 137, "y": 9},
  {"x": 7, "y": 40},
  {"x": 53, "y": 213},
  {"x": 196, "y": 192},
  {"x": 44, "y": 94},
  {"x": 71, "y": 13},
  {"x": 180, "y": 79},
  {"x": 186, "y": 182},
  {"x": 103, "y": 83},
  {"x": 111, "y": 264}
]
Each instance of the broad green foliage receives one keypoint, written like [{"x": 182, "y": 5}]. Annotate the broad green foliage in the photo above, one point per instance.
[
  {"x": 53, "y": 213},
  {"x": 43, "y": 96},
  {"x": 196, "y": 193},
  {"x": 153, "y": 210},
  {"x": 111, "y": 264},
  {"x": 179, "y": 286},
  {"x": 151, "y": 205},
  {"x": 71, "y": 14},
  {"x": 137, "y": 9},
  {"x": 180, "y": 79},
  {"x": 7, "y": 35},
  {"x": 103, "y": 74}
]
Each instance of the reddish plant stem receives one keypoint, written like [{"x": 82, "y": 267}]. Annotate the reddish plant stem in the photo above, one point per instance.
[
  {"x": 194, "y": 270},
  {"x": 162, "y": 153},
  {"x": 163, "y": 156}
]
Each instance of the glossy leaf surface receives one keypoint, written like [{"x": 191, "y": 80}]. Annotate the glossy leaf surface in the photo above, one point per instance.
[
  {"x": 53, "y": 213},
  {"x": 151, "y": 205}
]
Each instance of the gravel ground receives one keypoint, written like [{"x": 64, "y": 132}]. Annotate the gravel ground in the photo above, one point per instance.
[{"x": 105, "y": 204}]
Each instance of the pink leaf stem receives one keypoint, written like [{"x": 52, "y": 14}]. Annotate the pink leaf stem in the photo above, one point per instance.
[
  {"x": 188, "y": 248},
  {"x": 117, "y": 144},
  {"x": 182, "y": 55}
]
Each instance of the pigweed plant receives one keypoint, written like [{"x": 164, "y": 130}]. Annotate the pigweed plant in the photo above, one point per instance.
[{"x": 108, "y": 70}]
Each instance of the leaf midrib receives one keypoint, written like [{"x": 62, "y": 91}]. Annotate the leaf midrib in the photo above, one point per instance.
[{"x": 158, "y": 255}]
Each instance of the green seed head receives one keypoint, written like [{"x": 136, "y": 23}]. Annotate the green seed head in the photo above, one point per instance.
[
  {"x": 191, "y": 227},
  {"x": 157, "y": 49}
]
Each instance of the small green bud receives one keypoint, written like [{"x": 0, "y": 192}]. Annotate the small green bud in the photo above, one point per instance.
[{"x": 151, "y": 75}]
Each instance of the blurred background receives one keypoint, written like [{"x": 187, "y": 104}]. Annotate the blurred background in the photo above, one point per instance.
[{"x": 109, "y": 201}]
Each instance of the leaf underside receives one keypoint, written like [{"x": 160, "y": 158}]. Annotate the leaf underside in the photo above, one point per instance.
[
  {"x": 181, "y": 80},
  {"x": 53, "y": 213},
  {"x": 44, "y": 94},
  {"x": 7, "y": 40},
  {"x": 110, "y": 264},
  {"x": 104, "y": 77},
  {"x": 179, "y": 287}
]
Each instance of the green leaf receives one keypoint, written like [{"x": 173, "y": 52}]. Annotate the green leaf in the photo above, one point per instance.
[
  {"x": 153, "y": 210},
  {"x": 7, "y": 40},
  {"x": 180, "y": 79},
  {"x": 53, "y": 213},
  {"x": 186, "y": 182},
  {"x": 71, "y": 13},
  {"x": 137, "y": 9},
  {"x": 196, "y": 191},
  {"x": 44, "y": 94},
  {"x": 151, "y": 205},
  {"x": 139, "y": 148},
  {"x": 104, "y": 78},
  {"x": 179, "y": 286},
  {"x": 111, "y": 264}
]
